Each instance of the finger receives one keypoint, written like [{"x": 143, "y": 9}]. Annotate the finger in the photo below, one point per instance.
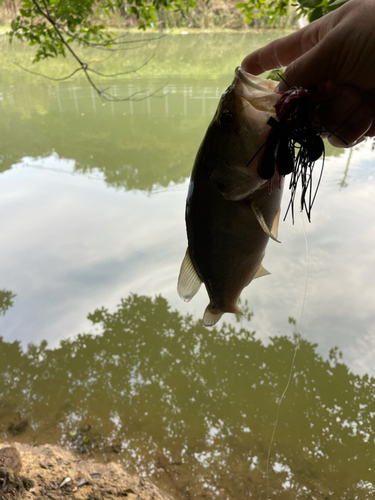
[
  {"x": 353, "y": 128},
  {"x": 371, "y": 131},
  {"x": 343, "y": 114},
  {"x": 363, "y": 138},
  {"x": 335, "y": 106},
  {"x": 280, "y": 52},
  {"x": 311, "y": 69}
]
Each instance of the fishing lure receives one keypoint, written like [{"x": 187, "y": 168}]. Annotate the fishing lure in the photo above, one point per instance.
[{"x": 293, "y": 147}]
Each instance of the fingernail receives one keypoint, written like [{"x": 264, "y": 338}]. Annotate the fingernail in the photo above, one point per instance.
[{"x": 359, "y": 141}]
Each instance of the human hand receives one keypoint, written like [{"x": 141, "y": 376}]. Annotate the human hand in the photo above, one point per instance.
[{"x": 333, "y": 56}]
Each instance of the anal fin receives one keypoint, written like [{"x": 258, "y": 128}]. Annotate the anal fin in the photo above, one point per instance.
[
  {"x": 262, "y": 271},
  {"x": 188, "y": 280}
]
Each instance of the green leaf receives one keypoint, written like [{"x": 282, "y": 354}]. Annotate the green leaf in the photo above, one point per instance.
[
  {"x": 276, "y": 75},
  {"x": 316, "y": 14},
  {"x": 310, "y": 4},
  {"x": 25, "y": 13}
]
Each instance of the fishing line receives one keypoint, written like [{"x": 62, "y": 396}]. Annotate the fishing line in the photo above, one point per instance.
[{"x": 291, "y": 372}]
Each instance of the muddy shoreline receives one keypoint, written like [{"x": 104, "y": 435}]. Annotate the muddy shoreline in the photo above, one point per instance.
[{"x": 50, "y": 472}]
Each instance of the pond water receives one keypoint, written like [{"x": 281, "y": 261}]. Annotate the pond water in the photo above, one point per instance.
[{"x": 92, "y": 237}]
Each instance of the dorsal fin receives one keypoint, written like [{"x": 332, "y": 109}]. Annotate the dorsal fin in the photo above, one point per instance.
[
  {"x": 258, "y": 214},
  {"x": 188, "y": 280}
]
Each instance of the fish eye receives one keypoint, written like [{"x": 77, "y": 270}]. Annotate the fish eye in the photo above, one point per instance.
[{"x": 226, "y": 119}]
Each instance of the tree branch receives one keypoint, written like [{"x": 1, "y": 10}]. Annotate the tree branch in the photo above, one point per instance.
[
  {"x": 46, "y": 76},
  {"x": 84, "y": 66}
]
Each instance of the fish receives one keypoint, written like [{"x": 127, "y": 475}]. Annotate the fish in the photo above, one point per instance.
[{"x": 231, "y": 211}]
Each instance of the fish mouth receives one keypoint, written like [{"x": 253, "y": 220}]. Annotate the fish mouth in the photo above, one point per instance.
[
  {"x": 260, "y": 96},
  {"x": 241, "y": 74}
]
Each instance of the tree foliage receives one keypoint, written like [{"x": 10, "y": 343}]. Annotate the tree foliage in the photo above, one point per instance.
[
  {"x": 274, "y": 9},
  {"x": 53, "y": 25},
  {"x": 6, "y": 301},
  {"x": 59, "y": 27}
]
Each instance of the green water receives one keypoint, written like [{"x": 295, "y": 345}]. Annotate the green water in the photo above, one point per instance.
[
  {"x": 195, "y": 409},
  {"x": 99, "y": 354}
]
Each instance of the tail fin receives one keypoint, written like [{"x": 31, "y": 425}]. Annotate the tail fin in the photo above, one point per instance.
[{"x": 211, "y": 317}]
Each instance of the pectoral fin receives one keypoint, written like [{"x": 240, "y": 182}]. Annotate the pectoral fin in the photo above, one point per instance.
[
  {"x": 258, "y": 214},
  {"x": 188, "y": 281},
  {"x": 275, "y": 225},
  {"x": 234, "y": 183}
]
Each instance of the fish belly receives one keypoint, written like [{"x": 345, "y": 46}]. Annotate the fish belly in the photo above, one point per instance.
[{"x": 226, "y": 241}]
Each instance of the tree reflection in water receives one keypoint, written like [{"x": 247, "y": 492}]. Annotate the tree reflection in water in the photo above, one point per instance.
[
  {"x": 6, "y": 300},
  {"x": 194, "y": 408}
]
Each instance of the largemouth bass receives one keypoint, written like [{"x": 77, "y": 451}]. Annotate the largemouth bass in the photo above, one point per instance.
[{"x": 231, "y": 212}]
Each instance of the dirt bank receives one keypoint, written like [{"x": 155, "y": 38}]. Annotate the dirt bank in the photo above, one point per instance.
[{"x": 49, "y": 472}]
